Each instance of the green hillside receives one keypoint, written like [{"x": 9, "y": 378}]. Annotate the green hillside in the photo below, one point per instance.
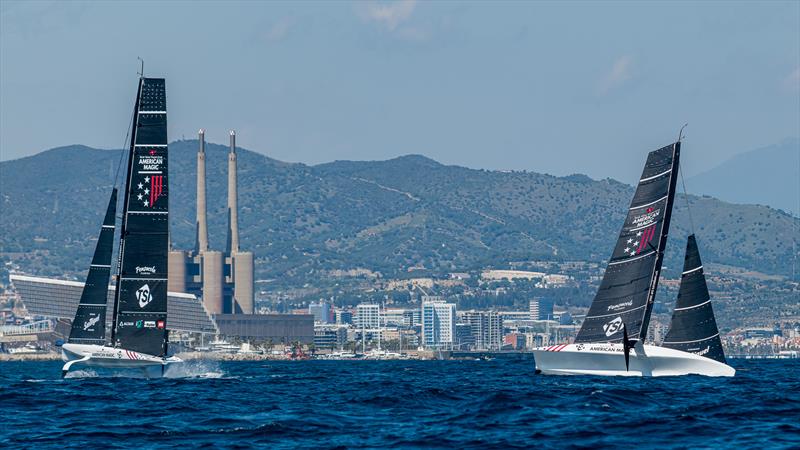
[{"x": 382, "y": 215}]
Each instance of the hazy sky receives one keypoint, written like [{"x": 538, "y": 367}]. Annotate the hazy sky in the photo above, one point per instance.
[{"x": 558, "y": 87}]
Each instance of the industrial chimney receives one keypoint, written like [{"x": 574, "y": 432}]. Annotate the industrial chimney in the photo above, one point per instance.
[
  {"x": 202, "y": 227},
  {"x": 233, "y": 219}
]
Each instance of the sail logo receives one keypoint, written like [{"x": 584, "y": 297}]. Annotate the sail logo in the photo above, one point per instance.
[
  {"x": 647, "y": 218},
  {"x": 149, "y": 323},
  {"x": 144, "y": 296},
  {"x": 161, "y": 324},
  {"x": 149, "y": 189},
  {"x": 151, "y": 162},
  {"x": 613, "y": 327},
  {"x": 90, "y": 323},
  {"x": 146, "y": 270},
  {"x": 703, "y": 351},
  {"x": 619, "y": 306}
]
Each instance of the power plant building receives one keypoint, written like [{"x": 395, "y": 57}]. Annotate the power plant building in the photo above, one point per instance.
[{"x": 224, "y": 280}]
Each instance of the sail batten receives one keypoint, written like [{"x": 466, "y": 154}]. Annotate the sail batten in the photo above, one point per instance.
[
  {"x": 626, "y": 294},
  {"x": 141, "y": 297},
  {"x": 693, "y": 327},
  {"x": 89, "y": 324}
]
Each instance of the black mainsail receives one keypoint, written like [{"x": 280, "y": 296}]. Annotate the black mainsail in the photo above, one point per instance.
[
  {"x": 626, "y": 294},
  {"x": 694, "y": 328},
  {"x": 140, "y": 302},
  {"x": 89, "y": 325}
]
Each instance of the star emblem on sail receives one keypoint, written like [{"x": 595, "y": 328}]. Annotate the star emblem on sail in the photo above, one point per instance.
[
  {"x": 639, "y": 243},
  {"x": 144, "y": 296},
  {"x": 150, "y": 189}
]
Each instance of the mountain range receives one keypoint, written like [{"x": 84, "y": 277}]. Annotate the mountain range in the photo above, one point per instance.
[
  {"x": 766, "y": 176},
  {"x": 386, "y": 216}
]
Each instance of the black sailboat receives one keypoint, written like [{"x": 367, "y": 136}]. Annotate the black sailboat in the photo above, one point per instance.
[
  {"x": 611, "y": 339},
  {"x": 693, "y": 328},
  {"x": 626, "y": 294},
  {"x": 139, "y": 335},
  {"x": 89, "y": 325}
]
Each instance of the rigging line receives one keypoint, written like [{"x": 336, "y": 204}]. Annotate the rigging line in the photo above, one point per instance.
[
  {"x": 124, "y": 146},
  {"x": 683, "y": 183}
]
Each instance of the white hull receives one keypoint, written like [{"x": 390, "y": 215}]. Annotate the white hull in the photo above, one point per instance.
[
  {"x": 83, "y": 355},
  {"x": 609, "y": 359}
]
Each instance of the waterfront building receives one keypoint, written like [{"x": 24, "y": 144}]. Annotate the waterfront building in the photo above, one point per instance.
[
  {"x": 330, "y": 336},
  {"x": 438, "y": 324},
  {"x": 486, "y": 328},
  {"x": 368, "y": 316},
  {"x": 58, "y": 299}
]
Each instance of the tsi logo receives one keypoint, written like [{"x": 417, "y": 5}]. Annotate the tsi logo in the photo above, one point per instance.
[
  {"x": 615, "y": 326},
  {"x": 143, "y": 295}
]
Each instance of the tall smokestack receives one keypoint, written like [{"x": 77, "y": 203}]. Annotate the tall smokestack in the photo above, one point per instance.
[
  {"x": 202, "y": 227},
  {"x": 233, "y": 220}
]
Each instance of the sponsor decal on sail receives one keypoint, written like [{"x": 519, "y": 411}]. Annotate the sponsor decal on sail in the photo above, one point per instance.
[
  {"x": 150, "y": 182},
  {"x": 149, "y": 323},
  {"x": 641, "y": 241},
  {"x": 140, "y": 324},
  {"x": 146, "y": 270},
  {"x": 161, "y": 324},
  {"x": 90, "y": 323},
  {"x": 620, "y": 306},
  {"x": 144, "y": 296},
  {"x": 613, "y": 327}
]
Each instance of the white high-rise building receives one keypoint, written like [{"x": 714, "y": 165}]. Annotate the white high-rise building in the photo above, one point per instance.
[
  {"x": 438, "y": 324},
  {"x": 368, "y": 316}
]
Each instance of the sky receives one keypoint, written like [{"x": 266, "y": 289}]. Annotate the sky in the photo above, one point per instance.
[{"x": 554, "y": 87}]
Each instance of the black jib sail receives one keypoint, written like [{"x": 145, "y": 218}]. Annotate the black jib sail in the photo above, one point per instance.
[
  {"x": 89, "y": 326},
  {"x": 693, "y": 328},
  {"x": 141, "y": 299},
  {"x": 626, "y": 294}
]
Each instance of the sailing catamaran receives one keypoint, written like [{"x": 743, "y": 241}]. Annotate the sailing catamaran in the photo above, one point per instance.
[
  {"x": 611, "y": 339},
  {"x": 139, "y": 335}
]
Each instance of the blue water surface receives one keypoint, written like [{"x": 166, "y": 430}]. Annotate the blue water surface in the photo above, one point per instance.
[{"x": 403, "y": 404}]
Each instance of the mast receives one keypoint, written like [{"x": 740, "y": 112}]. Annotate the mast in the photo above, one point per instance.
[
  {"x": 89, "y": 325},
  {"x": 693, "y": 327},
  {"x": 626, "y": 294},
  {"x": 125, "y": 210}
]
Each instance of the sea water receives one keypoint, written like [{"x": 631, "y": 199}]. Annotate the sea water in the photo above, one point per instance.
[{"x": 403, "y": 404}]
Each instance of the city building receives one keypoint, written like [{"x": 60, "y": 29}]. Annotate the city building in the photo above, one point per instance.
[
  {"x": 368, "y": 316},
  {"x": 541, "y": 309},
  {"x": 58, "y": 299},
  {"x": 343, "y": 317},
  {"x": 277, "y": 328},
  {"x": 330, "y": 336},
  {"x": 438, "y": 324},
  {"x": 321, "y": 311},
  {"x": 224, "y": 280},
  {"x": 486, "y": 328}
]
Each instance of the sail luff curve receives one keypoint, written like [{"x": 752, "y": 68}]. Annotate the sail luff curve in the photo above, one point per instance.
[{"x": 626, "y": 294}]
